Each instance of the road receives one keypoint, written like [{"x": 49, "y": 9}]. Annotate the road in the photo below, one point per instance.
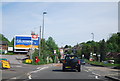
[{"x": 54, "y": 71}]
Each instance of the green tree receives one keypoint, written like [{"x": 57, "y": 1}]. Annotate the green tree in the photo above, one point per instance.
[
  {"x": 3, "y": 38},
  {"x": 67, "y": 49},
  {"x": 113, "y": 43},
  {"x": 44, "y": 52},
  {"x": 86, "y": 50},
  {"x": 12, "y": 43},
  {"x": 51, "y": 44},
  {"x": 102, "y": 50},
  {"x": 51, "y": 47}
]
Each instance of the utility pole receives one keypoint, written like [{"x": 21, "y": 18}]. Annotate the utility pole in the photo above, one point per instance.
[{"x": 39, "y": 40}]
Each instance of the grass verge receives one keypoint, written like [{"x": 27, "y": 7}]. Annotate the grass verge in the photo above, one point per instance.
[{"x": 101, "y": 63}]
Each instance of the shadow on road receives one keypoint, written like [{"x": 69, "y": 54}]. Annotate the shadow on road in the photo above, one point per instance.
[{"x": 59, "y": 70}]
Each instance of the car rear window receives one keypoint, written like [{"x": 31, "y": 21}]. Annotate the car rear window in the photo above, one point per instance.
[{"x": 71, "y": 57}]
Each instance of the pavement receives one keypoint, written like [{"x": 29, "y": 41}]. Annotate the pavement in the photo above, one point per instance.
[
  {"x": 108, "y": 72},
  {"x": 14, "y": 59}
]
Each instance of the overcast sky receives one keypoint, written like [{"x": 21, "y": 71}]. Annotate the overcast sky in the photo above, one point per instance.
[{"x": 68, "y": 23}]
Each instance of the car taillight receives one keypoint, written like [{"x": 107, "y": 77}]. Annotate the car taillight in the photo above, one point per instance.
[
  {"x": 64, "y": 61},
  {"x": 78, "y": 61}
]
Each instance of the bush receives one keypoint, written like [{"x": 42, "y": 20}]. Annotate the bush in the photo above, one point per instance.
[
  {"x": 41, "y": 59},
  {"x": 10, "y": 53},
  {"x": 39, "y": 63},
  {"x": 100, "y": 63}
]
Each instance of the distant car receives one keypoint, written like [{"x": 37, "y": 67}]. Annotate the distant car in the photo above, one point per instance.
[
  {"x": 82, "y": 61},
  {"x": 71, "y": 62},
  {"x": 4, "y": 63}
]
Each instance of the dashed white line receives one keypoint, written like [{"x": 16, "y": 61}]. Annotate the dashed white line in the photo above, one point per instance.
[{"x": 13, "y": 78}]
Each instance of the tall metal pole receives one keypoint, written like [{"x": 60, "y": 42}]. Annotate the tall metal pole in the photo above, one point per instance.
[
  {"x": 43, "y": 25},
  {"x": 39, "y": 40},
  {"x": 93, "y": 36}
]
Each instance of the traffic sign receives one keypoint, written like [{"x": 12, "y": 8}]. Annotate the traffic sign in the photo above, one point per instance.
[{"x": 34, "y": 37}]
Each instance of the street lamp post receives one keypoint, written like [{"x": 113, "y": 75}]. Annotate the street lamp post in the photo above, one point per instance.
[
  {"x": 92, "y": 36},
  {"x": 43, "y": 24}
]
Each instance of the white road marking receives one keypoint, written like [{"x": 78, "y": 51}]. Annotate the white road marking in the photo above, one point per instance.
[
  {"x": 29, "y": 77},
  {"x": 86, "y": 70},
  {"x": 96, "y": 77},
  {"x": 13, "y": 78},
  {"x": 89, "y": 69},
  {"x": 39, "y": 69}
]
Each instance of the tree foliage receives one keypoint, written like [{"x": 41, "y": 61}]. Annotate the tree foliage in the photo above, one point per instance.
[
  {"x": 47, "y": 48},
  {"x": 3, "y": 38},
  {"x": 112, "y": 45}
]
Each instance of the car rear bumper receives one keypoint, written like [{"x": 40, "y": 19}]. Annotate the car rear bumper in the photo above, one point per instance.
[{"x": 66, "y": 66}]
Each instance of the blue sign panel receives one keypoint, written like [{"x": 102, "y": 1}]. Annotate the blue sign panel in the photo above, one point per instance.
[{"x": 26, "y": 42}]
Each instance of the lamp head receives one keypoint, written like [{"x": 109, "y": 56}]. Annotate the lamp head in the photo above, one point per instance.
[{"x": 44, "y": 12}]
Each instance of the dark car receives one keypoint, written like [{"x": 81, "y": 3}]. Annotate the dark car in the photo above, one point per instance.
[
  {"x": 71, "y": 62},
  {"x": 82, "y": 61}
]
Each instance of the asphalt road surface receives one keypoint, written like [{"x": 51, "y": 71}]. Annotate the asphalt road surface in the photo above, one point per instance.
[
  {"x": 55, "y": 72},
  {"x": 52, "y": 71}
]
